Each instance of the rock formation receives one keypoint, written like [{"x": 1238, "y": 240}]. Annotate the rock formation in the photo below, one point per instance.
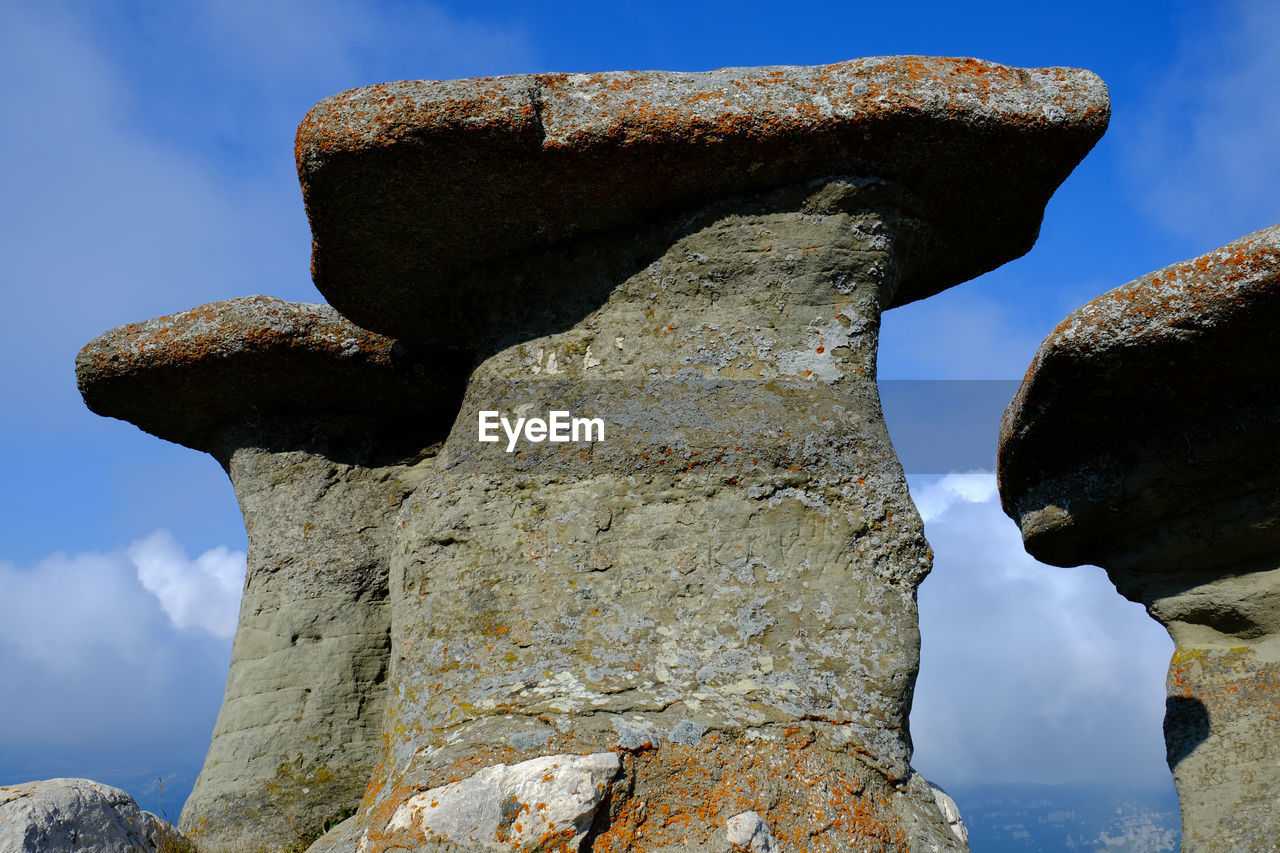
[
  {"x": 693, "y": 625},
  {"x": 73, "y": 815},
  {"x": 722, "y": 591},
  {"x": 324, "y": 428},
  {"x": 1143, "y": 440}
]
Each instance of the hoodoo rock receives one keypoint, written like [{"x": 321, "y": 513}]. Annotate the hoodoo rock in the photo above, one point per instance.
[
  {"x": 717, "y": 586},
  {"x": 1144, "y": 440},
  {"x": 324, "y": 428}
]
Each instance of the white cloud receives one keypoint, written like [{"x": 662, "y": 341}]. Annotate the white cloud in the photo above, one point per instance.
[
  {"x": 95, "y": 671},
  {"x": 1028, "y": 672},
  {"x": 202, "y": 593},
  {"x": 1203, "y": 151},
  {"x": 71, "y": 606},
  {"x": 935, "y": 498}
]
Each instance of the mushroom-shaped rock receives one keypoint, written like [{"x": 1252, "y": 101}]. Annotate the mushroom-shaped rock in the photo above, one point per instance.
[
  {"x": 322, "y": 427},
  {"x": 409, "y": 186},
  {"x": 691, "y": 543},
  {"x": 1144, "y": 440}
]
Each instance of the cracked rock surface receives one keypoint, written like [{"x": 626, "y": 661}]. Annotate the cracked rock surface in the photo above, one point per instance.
[
  {"x": 726, "y": 581},
  {"x": 1144, "y": 440}
]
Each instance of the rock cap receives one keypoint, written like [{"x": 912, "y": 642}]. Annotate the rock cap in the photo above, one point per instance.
[
  {"x": 184, "y": 376},
  {"x": 1145, "y": 430},
  {"x": 411, "y": 185}
]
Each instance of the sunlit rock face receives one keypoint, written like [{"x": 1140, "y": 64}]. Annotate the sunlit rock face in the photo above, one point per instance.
[
  {"x": 720, "y": 590},
  {"x": 324, "y": 429},
  {"x": 1143, "y": 440}
]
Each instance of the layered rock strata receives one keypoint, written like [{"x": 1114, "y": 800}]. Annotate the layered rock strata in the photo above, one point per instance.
[
  {"x": 719, "y": 591},
  {"x": 324, "y": 428},
  {"x": 1143, "y": 440}
]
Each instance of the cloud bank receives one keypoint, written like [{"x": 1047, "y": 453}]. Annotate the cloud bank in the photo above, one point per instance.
[{"x": 114, "y": 663}]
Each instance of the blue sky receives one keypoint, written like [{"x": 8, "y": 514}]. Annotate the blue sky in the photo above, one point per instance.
[{"x": 149, "y": 168}]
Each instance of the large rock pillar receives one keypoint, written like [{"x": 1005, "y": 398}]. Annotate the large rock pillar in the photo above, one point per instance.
[
  {"x": 697, "y": 631},
  {"x": 324, "y": 429},
  {"x": 1144, "y": 440},
  {"x": 725, "y": 582}
]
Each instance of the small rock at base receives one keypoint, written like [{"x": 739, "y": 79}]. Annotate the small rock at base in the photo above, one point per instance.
[
  {"x": 515, "y": 807},
  {"x": 749, "y": 831},
  {"x": 71, "y": 815}
]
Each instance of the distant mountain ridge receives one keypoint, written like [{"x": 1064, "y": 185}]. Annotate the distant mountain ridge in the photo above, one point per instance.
[{"x": 1020, "y": 818}]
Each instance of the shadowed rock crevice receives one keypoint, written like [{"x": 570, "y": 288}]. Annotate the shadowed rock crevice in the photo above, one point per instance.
[
  {"x": 1186, "y": 726},
  {"x": 524, "y": 296}
]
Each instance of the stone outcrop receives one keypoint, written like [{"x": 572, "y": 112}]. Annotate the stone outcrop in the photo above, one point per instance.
[
  {"x": 691, "y": 627},
  {"x": 1143, "y": 440},
  {"x": 73, "y": 815},
  {"x": 324, "y": 428},
  {"x": 722, "y": 591}
]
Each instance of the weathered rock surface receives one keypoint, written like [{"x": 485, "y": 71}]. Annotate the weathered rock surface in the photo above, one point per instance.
[
  {"x": 344, "y": 837},
  {"x": 724, "y": 587},
  {"x": 322, "y": 428},
  {"x": 75, "y": 815},
  {"x": 722, "y": 590},
  {"x": 1144, "y": 440},
  {"x": 411, "y": 185}
]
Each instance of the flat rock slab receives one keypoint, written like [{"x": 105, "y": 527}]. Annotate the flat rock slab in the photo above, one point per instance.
[
  {"x": 72, "y": 815},
  {"x": 411, "y": 185},
  {"x": 1145, "y": 430},
  {"x": 184, "y": 376}
]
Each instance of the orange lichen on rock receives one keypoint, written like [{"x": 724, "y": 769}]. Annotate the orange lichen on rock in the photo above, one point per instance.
[
  {"x": 183, "y": 376},
  {"x": 411, "y": 185}
]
